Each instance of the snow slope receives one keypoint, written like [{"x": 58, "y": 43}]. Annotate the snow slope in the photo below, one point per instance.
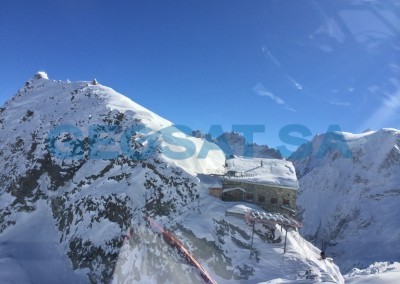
[
  {"x": 266, "y": 171},
  {"x": 32, "y": 253},
  {"x": 83, "y": 104},
  {"x": 349, "y": 195},
  {"x": 378, "y": 272},
  {"x": 222, "y": 244},
  {"x": 82, "y": 165}
]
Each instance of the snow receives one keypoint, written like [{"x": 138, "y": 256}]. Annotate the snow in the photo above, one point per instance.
[
  {"x": 378, "y": 272},
  {"x": 38, "y": 108},
  {"x": 172, "y": 137},
  {"x": 31, "y": 252},
  {"x": 87, "y": 208},
  {"x": 265, "y": 171},
  {"x": 83, "y": 102},
  {"x": 349, "y": 203},
  {"x": 211, "y": 163},
  {"x": 41, "y": 75},
  {"x": 221, "y": 255},
  {"x": 232, "y": 189},
  {"x": 102, "y": 231},
  {"x": 240, "y": 209},
  {"x": 272, "y": 263}
]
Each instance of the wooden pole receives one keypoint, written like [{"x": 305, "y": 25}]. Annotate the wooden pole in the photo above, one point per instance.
[
  {"x": 252, "y": 238},
  {"x": 286, "y": 229}
]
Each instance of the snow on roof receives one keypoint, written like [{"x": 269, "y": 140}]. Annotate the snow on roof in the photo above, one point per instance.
[
  {"x": 240, "y": 209},
  {"x": 260, "y": 215},
  {"x": 271, "y": 217},
  {"x": 216, "y": 185},
  {"x": 232, "y": 189},
  {"x": 264, "y": 171}
]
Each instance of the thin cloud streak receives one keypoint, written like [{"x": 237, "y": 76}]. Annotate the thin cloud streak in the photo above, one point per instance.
[
  {"x": 269, "y": 56},
  {"x": 340, "y": 103},
  {"x": 260, "y": 90},
  {"x": 295, "y": 83},
  {"x": 290, "y": 109},
  {"x": 387, "y": 112}
]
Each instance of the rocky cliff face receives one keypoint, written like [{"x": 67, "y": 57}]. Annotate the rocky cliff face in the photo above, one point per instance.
[
  {"x": 62, "y": 143},
  {"x": 349, "y": 195},
  {"x": 82, "y": 168},
  {"x": 233, "y": 143}
]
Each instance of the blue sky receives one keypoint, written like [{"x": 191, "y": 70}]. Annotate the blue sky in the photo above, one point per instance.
[{"x": 201, "y": 63}]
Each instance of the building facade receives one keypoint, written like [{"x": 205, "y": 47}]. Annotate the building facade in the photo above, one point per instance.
[{"x": 269, "y": 197}]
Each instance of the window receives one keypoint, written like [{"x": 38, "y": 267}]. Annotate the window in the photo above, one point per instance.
[
  {"x": 274, "y": 200},
  {"x": 286, "y": 202},
  {"x": 261, "y": 199}
]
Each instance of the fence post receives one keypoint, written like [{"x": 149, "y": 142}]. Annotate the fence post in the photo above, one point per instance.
[
  {"x": 252, "y": 237},
  {"x": 286, "y": 229}
]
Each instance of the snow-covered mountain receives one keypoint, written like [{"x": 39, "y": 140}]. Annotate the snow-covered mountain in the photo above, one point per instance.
[
  {"x": 82, "y": 168},
  {"x": 233, "y": 143},
  {"x": 378, "y": 272},
  {"x": 350, "y": 194}
]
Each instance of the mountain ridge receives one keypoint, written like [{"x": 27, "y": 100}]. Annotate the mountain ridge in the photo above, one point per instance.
[
  {"x": 69, "y": 193},
  {"x": 233, "y": 143},
  {"x": 354, "y": 178}
]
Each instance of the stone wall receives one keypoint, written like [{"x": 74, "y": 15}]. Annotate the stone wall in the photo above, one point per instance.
[{"x": 269, "y": 197}]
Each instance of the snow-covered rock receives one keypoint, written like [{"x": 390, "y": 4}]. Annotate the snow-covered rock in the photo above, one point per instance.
[
  {"x": 41, "y": 75},
  {"x": 83, "y": 165},
  {"x": 350, "y": 194},
  {"x": 233, "y": 143},
  {"x": 222, "y": 244},
  {"x": 378, "y": 272}
]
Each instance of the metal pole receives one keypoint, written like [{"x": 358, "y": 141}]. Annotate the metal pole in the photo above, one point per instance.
[
  {"x": 284, "y": 250},
  {"x": 252, "y": 237}
]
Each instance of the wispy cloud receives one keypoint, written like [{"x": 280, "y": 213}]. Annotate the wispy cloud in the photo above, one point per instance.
[
  {"x": 295, "y": 83},
  {"x": 387, "y": 113},
  {"x": 290, "y": 109},
  {"x": 326, "y": 48},
  {"x": 260, "y": 90},
  {"x": 340, "y": 103},
  {"x": 269, "y": 56},
  {"x": 329, "y": 27}
]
